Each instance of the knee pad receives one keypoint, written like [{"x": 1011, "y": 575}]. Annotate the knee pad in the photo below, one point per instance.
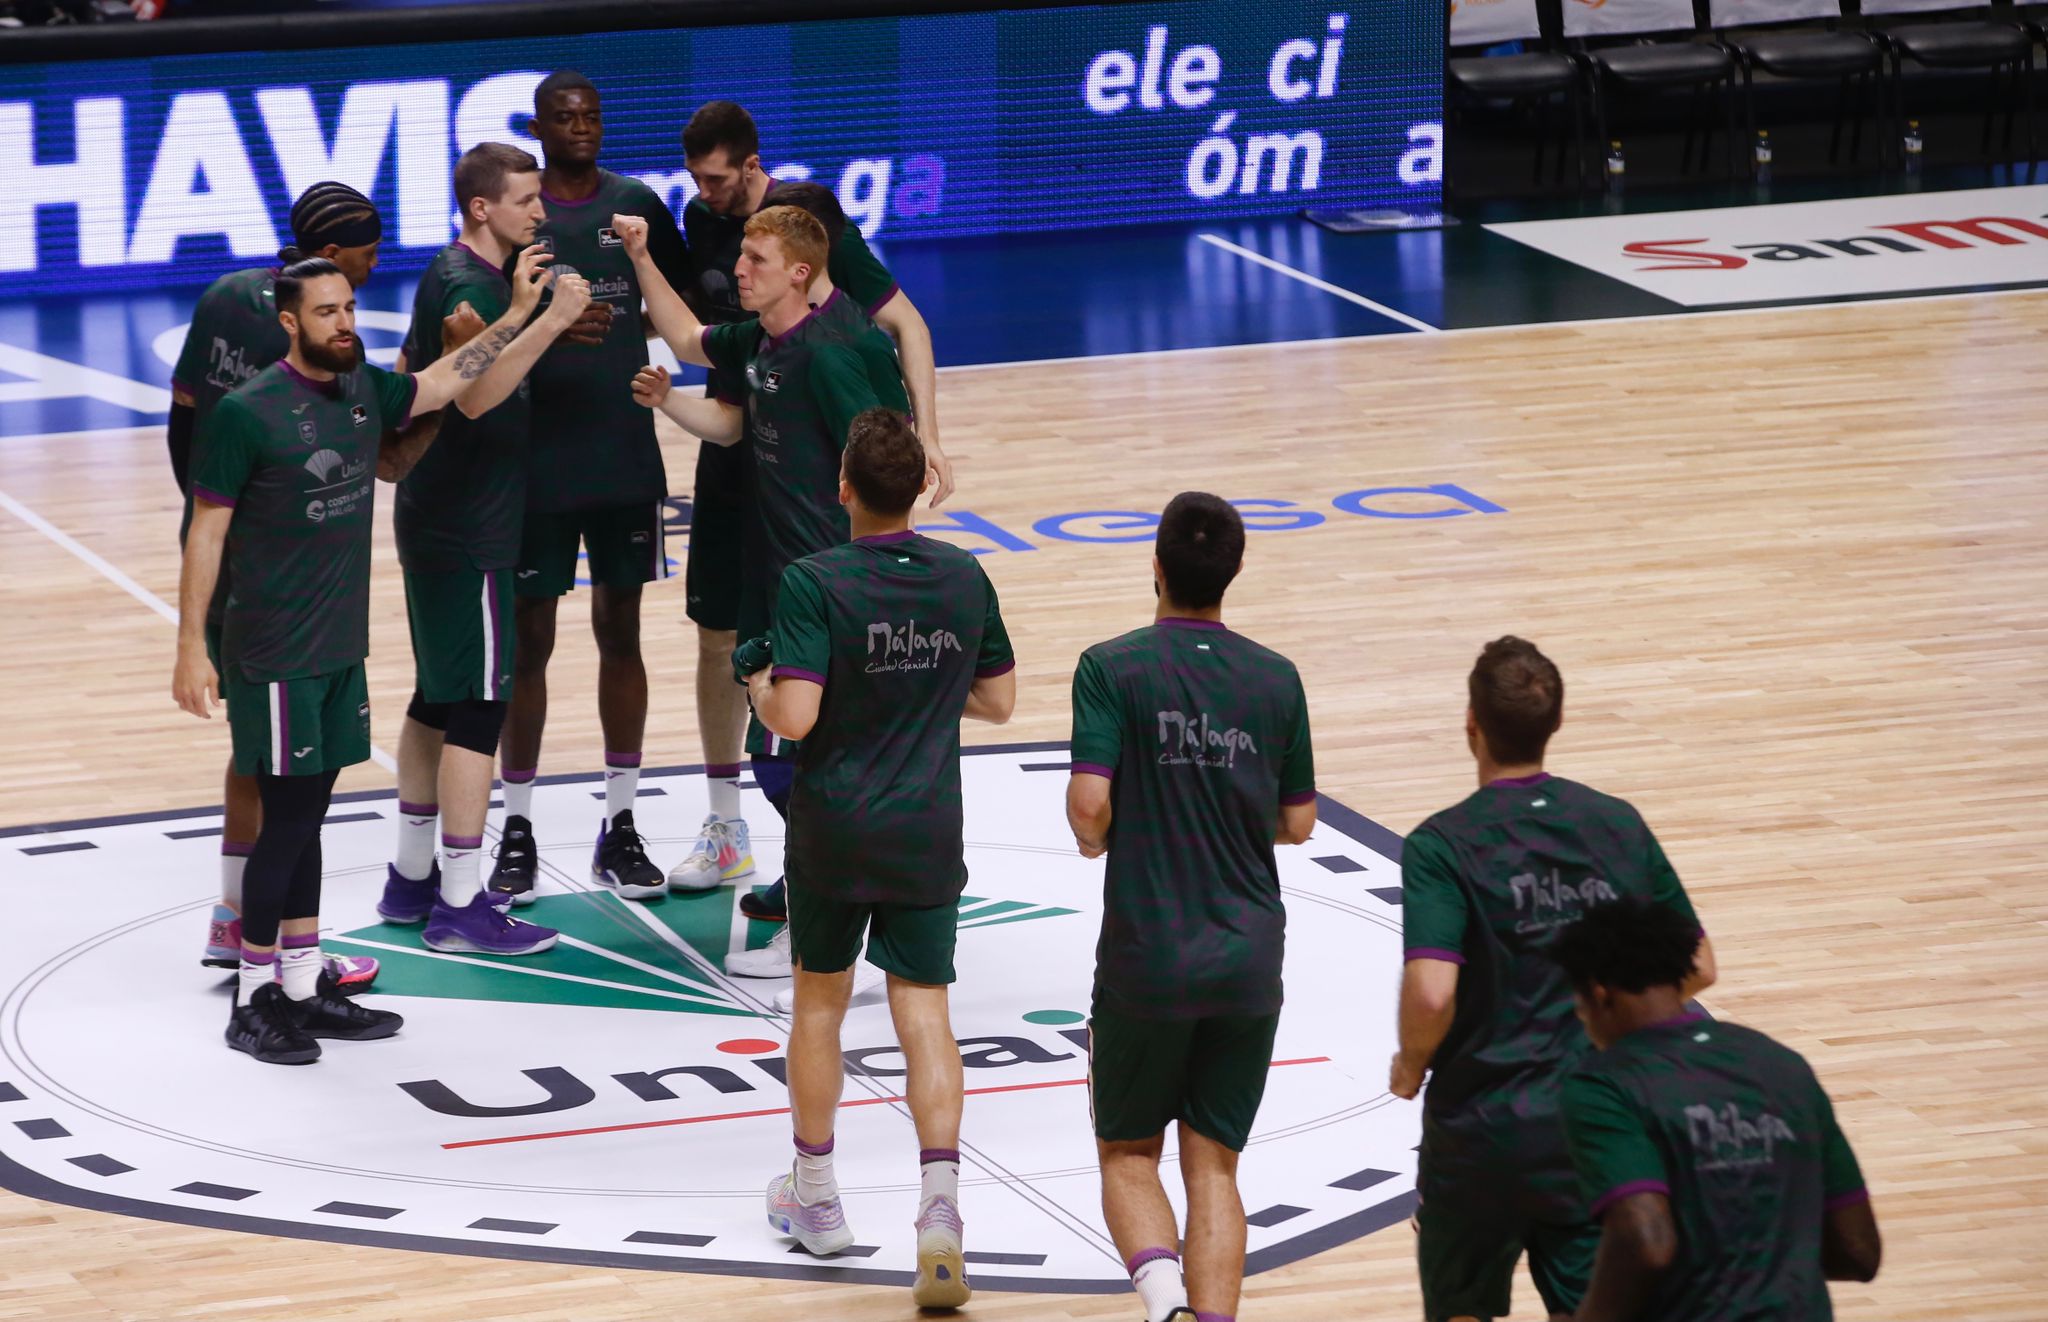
[
  {"x": 433, "y": 715},
  {"x": 475, "y": 723}
]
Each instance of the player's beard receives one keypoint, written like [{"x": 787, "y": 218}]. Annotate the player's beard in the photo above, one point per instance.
[{"x": 324, "y": 356}]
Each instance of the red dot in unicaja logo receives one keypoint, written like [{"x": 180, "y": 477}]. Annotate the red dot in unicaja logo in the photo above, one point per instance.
[{"x": 749, "y": 1046}]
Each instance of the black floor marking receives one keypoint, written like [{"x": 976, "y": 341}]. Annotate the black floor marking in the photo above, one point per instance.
[
  {"x": 222, "y": 1191},
  {"x": 1046, "y": 766},
  {"x": 1274, "y": 1215},
  {"x": 657, "y": 792},
  {"x": 340, "y": 817},
  {"x": 513, "y": 1227},
  {"x": 360, "y": 1209},
  {"x": 9, "y": 1093},
  {"x": 73, "y": 847},
  {"x": 854, "y": 1251},
  {"x": 42, "y": 1129},
  {"x": 1339, "y": 863},
  {"x": 196, "y": 833},
  {"x": 1358, "y": 1181},
  {"x": 1005, "y": 1259},
  {"x": 99, "y": 1163},
  {"x": 1385, "y": 894},
  {"x": 667, "y": 1237}
]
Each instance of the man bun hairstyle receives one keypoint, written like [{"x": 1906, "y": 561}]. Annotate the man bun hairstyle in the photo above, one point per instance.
[
  {"x": 1517, "y": 700},
  {"x": 885, "y": 463},
  {"x": 721, "y": 124},
  {"x": 1200, "y": 548},
  {"x": 1630, "y": 944},
  {"x": 561, "y": 80},
  {"x": 483, "y": 170},
  {"x": 821, "y": 202},
  {"x": 289, "y": 289},
  {"x": 803, "y": 238},
  {"x": 331, "y": 212}
]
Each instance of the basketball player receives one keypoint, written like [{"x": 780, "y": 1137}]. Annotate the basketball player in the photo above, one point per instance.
[
  {"x": 721, "y": 149},
  {"x": 285, "y": 485},
  {"x": 1709, "y": 1153},
  {"x": 234, "y": 335},
  {"x": 458, "y": 523},
  {"x": 1485, "y": 888},
  {"x": 875, "y": 851},
  {"x": 1191, "y": 760},
  {"x": 595, "y": 481},
  {"x": 803, "y": 370}
]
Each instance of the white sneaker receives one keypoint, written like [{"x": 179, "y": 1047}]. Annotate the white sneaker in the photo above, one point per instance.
[
  {"x": 724, "y": 852},
  {"x": 770, "y": 961},
  {"x": 866, "y": 978}
]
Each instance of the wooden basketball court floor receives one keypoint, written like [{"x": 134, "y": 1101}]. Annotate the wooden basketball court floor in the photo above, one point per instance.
[{"x": 1794, "y": 565}]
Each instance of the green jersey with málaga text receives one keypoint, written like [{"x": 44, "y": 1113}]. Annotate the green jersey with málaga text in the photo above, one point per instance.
[
  {"x": 296, "y": 459},
  {"x": 1204, "y": 735},
  {"x": 1735, "y": 1130},
  {"x": 896, "y": 628},
  {"x": 593, "y": 447},
  {"x": 462, "y": 505}
]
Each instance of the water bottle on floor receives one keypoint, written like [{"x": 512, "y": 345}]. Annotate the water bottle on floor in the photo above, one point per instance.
[
  {"x": 1617, "y": 168},
  {"x": 1760, "y": 158},
  {"x": 1912, "y": 148}
]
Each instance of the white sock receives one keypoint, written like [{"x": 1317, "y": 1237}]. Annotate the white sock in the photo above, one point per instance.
[
  {"x": 416, "y": 821},
  {"x": 939, "y": 1170},
  {"x": 258, "y": 971},
  {"x": 814, "y": 1179},
  {"x": 301, "y": 966},
  {"x": 461, "y": 882},
  {"x": 518, "y": 794},
  {"x": 231, "y": 865},
  {"x": 725, "y": 790},
  {"x": 1161, "y": 1287},
  {"x": 621, "y": 782}
]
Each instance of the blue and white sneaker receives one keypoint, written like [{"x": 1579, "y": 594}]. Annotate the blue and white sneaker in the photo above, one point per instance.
[
  {"x": 406, "y": 901},
  {"x": 484, "y": 927},
  {"x": 620, "y": 864},
  {"x": 820, "y": 1227},
  {"x": 724, "y": 852}
]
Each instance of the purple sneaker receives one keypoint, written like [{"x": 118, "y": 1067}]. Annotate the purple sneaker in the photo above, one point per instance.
[
  {"x": 407, "y": 901},
  {"x": 482, "y": 927},
  {"x": 820, "y": 1227}
]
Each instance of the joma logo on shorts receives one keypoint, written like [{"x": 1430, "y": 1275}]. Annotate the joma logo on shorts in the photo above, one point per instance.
[{"x": 1186, "y": 740}]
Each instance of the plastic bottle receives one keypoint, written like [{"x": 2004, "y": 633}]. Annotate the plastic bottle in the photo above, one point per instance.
[
  {"x": 1761, "y": 157},
  {"x": 1912, "y": 148},
  {"x": 1617, "y": 168}
]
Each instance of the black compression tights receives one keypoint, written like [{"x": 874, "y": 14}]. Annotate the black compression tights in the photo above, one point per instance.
[{"x": 282, "y": 878}]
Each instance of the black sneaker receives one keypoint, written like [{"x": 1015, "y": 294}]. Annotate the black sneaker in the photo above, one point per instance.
[
  {"x": 518, "y": 861},
  {"x": 620, "y": 862},
  {"x": 770, "y": 904},
  {"x": 320, "y": 1015},
  {"x": 267, "y": 1030}
]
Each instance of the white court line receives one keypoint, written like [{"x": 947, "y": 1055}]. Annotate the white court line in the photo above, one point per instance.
[
  {"x": 113, "y": 574},
  {"x": 1313, "y": 282}
]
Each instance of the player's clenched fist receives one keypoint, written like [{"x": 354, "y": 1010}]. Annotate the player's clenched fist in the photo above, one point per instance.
[
  {"x": 651, "y": 387},
  {"x": 572, "y": 296},
  {"x": 632, "y": 232}
]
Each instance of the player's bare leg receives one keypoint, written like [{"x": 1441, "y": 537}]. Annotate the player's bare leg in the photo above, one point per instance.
[
  {"x": 526, "y": 716},
  {"x": 804, "y": 1202},
  {"x": 1214, "y": 1251},
  {"x": 724, "y": 851},
  {"x": 620, "y": 862},
  {"x": 1141, "y": 1222}
]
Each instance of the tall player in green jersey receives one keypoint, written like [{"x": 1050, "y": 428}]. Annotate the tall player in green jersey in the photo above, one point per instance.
[
  {"x": 1486, "y": 885},
  {"x": 234, "y": 335},
  {"x": 596, "y": 481},
  {"x": 880, "y": 647},
  {"x": 285, "y": 486},
  {"x": 1710, "y": 1153},
  {"x": 722, "y": 150},
  {"x": 458, "y": 525},
  {"x": 1192, "y": 760}
]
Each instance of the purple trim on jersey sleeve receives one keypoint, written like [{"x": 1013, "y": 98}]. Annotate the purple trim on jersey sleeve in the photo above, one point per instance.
[
  {"x": 1432, "y": 952},
  {"x": 882, "y": 302},
  {"x": 1518, "y": 782},
  {"x": 887, "y": 538},
  {"x": 1684, "y": 1017},
  {"x": 178, "y": 385},
  {"x": 1629, "y": 1190},
  {"x": 1182, "y": 622},
  {"x": 1850, "y": 1199},
  {"x": 1298, "y": 798},
  {"x": 797, "y": 672},
  {"x": 211, "y": 497},
  {"x": 1094, "y": 769},
  {"x": 1000, "y": 668}
]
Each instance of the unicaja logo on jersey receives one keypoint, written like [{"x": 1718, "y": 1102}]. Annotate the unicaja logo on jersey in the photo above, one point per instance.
[
  {"x": 1551, "y": 901},
  {"x": 1186, "y": 740},
  {"x": 902, "y": 647},
  {"x": 1725, "y": 1140}
]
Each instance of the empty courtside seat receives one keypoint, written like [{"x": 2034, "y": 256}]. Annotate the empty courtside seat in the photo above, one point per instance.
[
  {"x": 1529, "y": 76},
  {"x": 1967, "y": 36},
  {"x": 1669, "y": 52},
  {"x": 1763, "y": 42}
]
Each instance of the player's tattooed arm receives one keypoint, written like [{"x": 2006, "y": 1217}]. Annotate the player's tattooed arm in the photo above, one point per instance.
[
  {"x": 195, "y": 685},
  {"x": 472, "y": 360},
  {"x": 666, "y": 310},
  {"x": 707, "y": 419},
  {"x": 483, "y": 373}
]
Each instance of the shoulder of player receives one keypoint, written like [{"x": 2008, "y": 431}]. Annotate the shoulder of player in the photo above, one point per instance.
[
  {"x": 248, "y": 288},
  {"x": 634, "y": 194},
  {"x": 1111, "y": 653}
]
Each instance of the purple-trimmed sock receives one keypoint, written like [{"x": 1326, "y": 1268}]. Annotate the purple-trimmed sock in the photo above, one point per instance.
[
  {"x": 939, "y": 1175},
  {"x": 724, "y": 784},
  {"x": 298, "y": 965},
  {"x": 1156, "y": 1275},
  {"x": 814, "y": 1179},
  {"x": 416, "y": 821},
  {"x": 621, "y": 782},
  {"x": 461, "y": 878},
  {"x": 519, "y": 791},
  {"x": 259, "y": 970}
]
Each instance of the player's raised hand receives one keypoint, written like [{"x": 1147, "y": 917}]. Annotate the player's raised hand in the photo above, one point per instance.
[
  {"x": 195, "y": 684},
  {"x": 632, "y": 232},
  {"x": 529, "y": 279},
  {"x": 460, "y": 327},
  {"x": 572, "y": 296},
  {"x": 651, "y": 387}
]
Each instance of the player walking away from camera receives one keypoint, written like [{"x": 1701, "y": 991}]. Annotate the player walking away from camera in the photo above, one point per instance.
[
  {"x": 1191, "y": 761},
  {"x": 235, "y": 334},
  {"x": 1708, "y": 1152},
  {"x": 722, "y": 150},
  {"x": 1486, "y": 886},
  {"x": 458, "y": 521},
  {"x": 596, "y": 481},
  {"x": 285, "y": 485},
  {"x": 803, "y": 374},
  {"x": 879, "y": 648}
]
